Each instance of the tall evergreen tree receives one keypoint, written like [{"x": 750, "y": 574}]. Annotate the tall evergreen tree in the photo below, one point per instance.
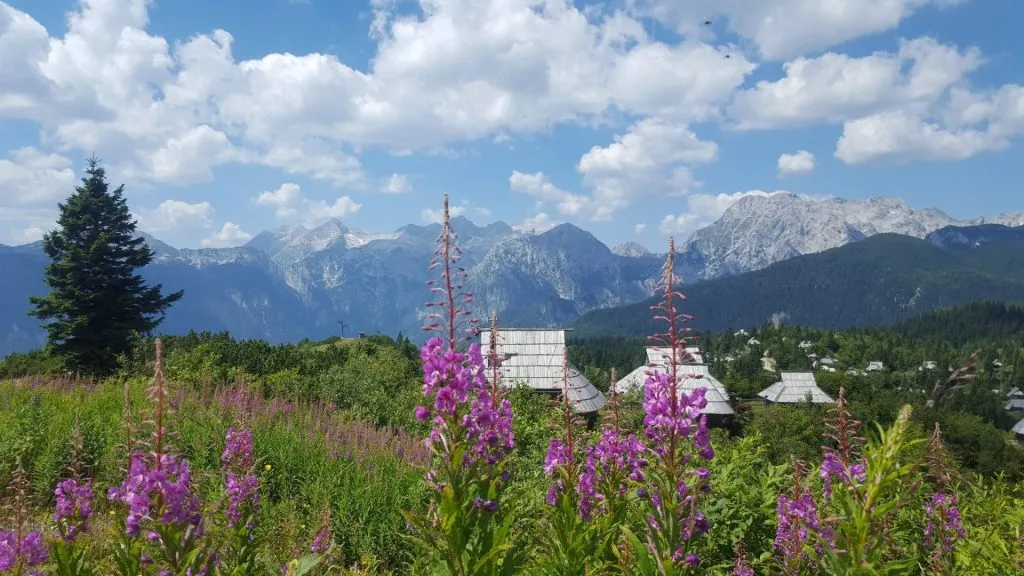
[{"x": 97, "y": 304}]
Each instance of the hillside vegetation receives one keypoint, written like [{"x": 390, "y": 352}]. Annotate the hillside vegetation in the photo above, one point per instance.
[{"x": 876, "y": 281}]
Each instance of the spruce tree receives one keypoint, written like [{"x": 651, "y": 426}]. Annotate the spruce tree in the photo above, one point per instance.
[{"x": 97, "y": 304}]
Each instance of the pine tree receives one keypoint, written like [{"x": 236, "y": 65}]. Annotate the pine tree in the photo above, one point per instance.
[{"x": 97, "y": 304}]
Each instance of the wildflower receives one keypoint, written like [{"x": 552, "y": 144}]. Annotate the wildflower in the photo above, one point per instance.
[
  {"x": 677, "y": 431},
  {"x": 267, "y": 468},
  {"x": 842, "y": 460},
  {"x": 168, "y": 483},
  {"x": 74, "y": 507},
  {"x": 320, "y": 542},
  {"x": 558, "y": 456},
  {"x": 942, "y": 510},
  {"x": 471, "y": 426},
  {"x": 238, "y": 453},
  {"x": 30, "y": 548},
  {"x": 242, "y": 485},
  {"x": 610, "y": 462}
]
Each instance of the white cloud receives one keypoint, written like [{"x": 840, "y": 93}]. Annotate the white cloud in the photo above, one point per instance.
[
  {"x": 897, "y": 137},
  {"x": 463, "y": 208},
  {"x": 539, "y": 187},
  {"x": 397, "y": 184},
  {"x": 649, "y": 161},
  {"x": 463, "y": 70},
  {"x": 173, "y": 215},
  {"x": 703, "y": 210},
  {"x": 536, "y": 224},
  {"x": 343, "y": 206},
  {"x": 782, "y": 29},
  {"x": 800, "y": 162},
  {"x": 436, "y": 216},
  {"x": 228, "y": 236},
  {"x": 286, "y": 199},
  {"x": 289, "y": 202},
  {"x": 30, "y": 177},
  {"x": 639, "y": 229},
  {"x": 835, "y": 87},
  {"x": 459, "y": 71}
]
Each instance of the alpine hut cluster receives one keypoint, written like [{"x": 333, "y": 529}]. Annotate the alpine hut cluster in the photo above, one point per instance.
[
  {"x": 692, "y": 373},
  {"x": 534, "y": 356}
]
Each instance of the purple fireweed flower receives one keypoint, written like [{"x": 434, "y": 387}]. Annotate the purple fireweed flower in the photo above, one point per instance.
[
  {"x": 237, "y": 464},
  {"x": 238, "y": 454},
  {"x": 797, "y": 522},
  {"x": 74, "y": 507},
  {"x": 833, "y": 468},
  {"x": 663, "y": 420},
  {"x": 943, "y": 522},
  {"x": 31, "y": 548},
  {"x": 243, "y": 490},
  {"x": 557, "y": 457},
  {"x": 610, "y": 462},
  {"x": 8, "y": 550},
  {"x": 321, "y": 542},
  {"x": 455, "y": 380},
  {"x": 169, "y": 483}
]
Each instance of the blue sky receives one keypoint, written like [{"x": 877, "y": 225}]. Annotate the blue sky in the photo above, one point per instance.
[{"x": 227, "y": 118}]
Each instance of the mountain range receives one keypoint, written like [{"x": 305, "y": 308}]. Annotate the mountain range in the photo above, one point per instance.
[{"x": 292, "y": 283}]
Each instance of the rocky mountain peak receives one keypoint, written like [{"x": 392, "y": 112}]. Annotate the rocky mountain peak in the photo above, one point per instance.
[{"x": 631, "y": 250}]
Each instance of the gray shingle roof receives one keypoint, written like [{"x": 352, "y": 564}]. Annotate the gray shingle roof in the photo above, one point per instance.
[
  {"x": 794, "y": 388},
  {"x": 535, "y": 357},
  {"x": 691, "y": 377},
  {"x": 1019, "y": 428},
  {"x": 1015, "y": 405}
]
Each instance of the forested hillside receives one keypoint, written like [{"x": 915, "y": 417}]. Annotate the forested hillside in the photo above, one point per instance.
[{"x": 877, "y": 281}]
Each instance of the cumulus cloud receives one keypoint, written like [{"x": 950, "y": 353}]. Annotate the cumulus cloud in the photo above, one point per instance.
[
  {"x": 436, "y": 216},
  {"x": 172, "y": 215},
  {"x": 651, "y": 160},
  {"x": 800, "y": 162},
  {"x": 464, "y": 208},
  {"x": 462, "y": 70},
  {"x": 396, "y": 184},
  {"x": 31, "y": 177},
  {"x": 897, "y": 137},
  {"x": 782, "y": 29},
  {"x": 536, "y": 224},
  {"x": 229, "y": 235},
  {"x": 455, "y": 72},
  {"x": 539, "y": 187},
  {"x": 834, "y": 87},
  {"x": 289, "y": 203},
  {"x": 639, "y": 229}
]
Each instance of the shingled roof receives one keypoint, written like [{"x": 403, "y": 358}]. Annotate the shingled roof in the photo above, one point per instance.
[
  {"x": 690, "y": 376},
  {"x": 794, "y": 388},
  {"x": 534, "y": 356}
]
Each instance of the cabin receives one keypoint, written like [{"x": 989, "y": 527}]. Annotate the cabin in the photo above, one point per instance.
[
  {"x": 534, "y": 356},
  {"x": 1018, "y": 431},
  {"x": 875, "y": 366},
  {"x": 692, "y": 374},
  {"x": 1016, "y": 400},
  {"x": 795, "y": 388}
]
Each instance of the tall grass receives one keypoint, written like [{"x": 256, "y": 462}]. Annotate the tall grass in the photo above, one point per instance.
[{"x": 311, "y": 458}]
